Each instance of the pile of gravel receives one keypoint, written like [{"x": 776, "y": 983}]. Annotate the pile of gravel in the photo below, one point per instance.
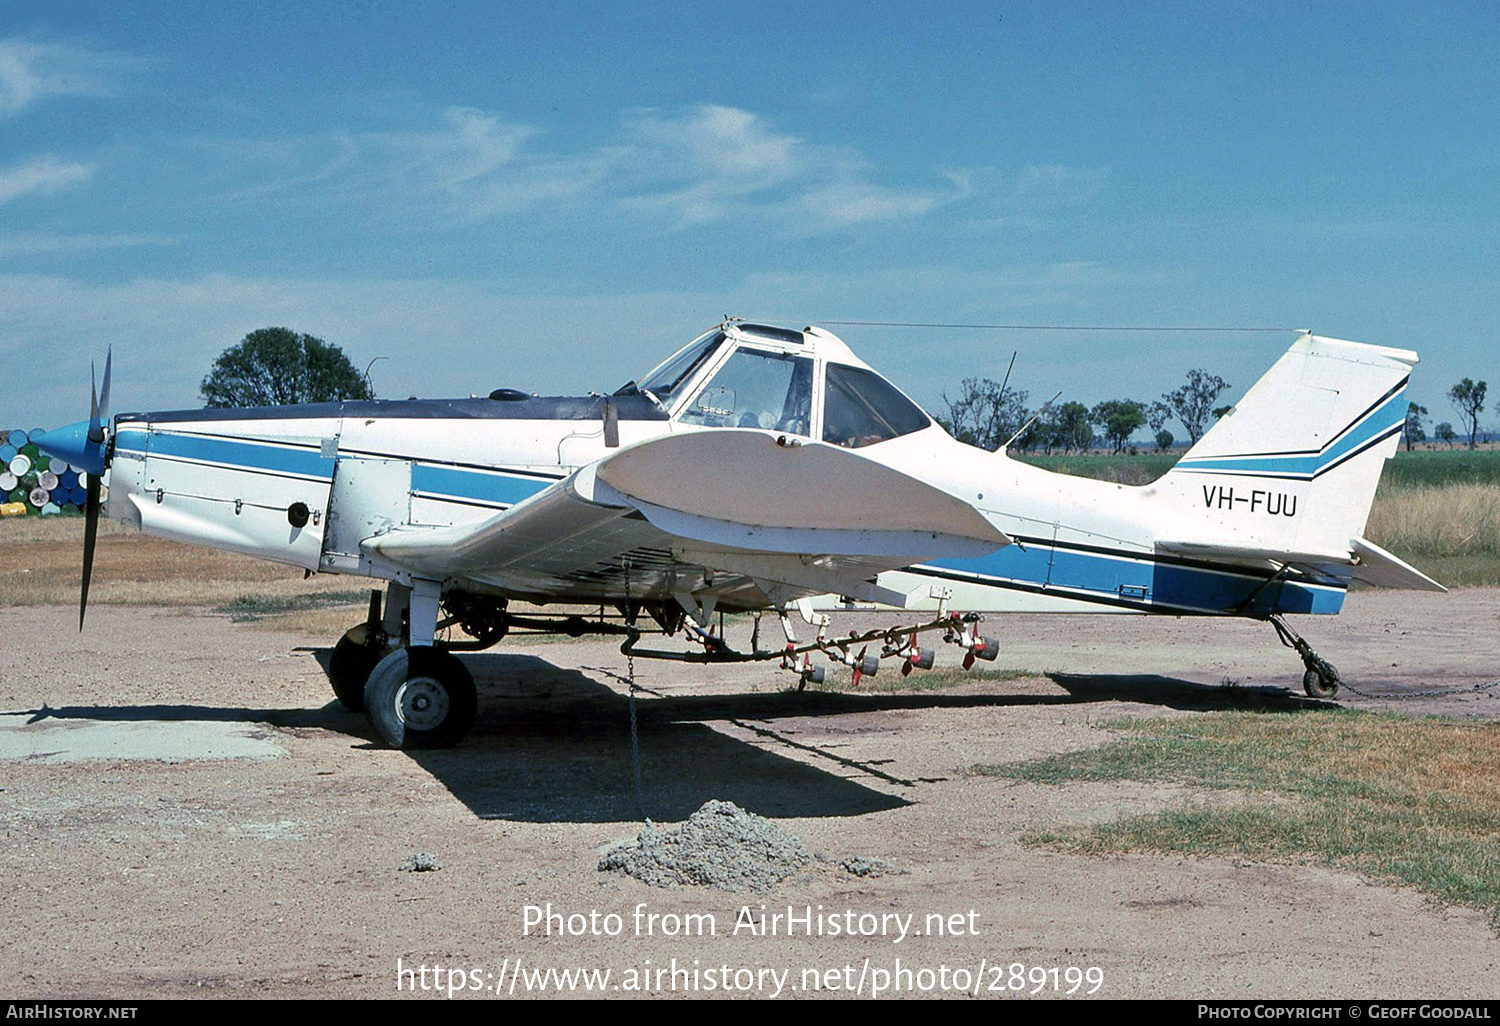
[
  {"x": 421, "y": 862},
  {"x": 721, "y": 845}
]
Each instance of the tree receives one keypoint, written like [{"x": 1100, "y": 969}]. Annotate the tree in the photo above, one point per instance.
[
  {"x": 1445, "y": 433},
  {"x": 1118, "y": 419},
  {"x": 1066, "y": 427},
  {"x": 279, "y": 367},
  {"x": 984, "y": 414},
  {"x": 1157, "y": 415},
  {"x": 1468, "y": 399},
  {"x": 1412, "y": 431},
  {"x": 1194, "y": 402}
]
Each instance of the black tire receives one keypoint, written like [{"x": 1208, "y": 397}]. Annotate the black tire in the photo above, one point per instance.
[
  {"x": 421, "y": 697},
  {"x": 1318, "y": 686},
  {"x": 349, "y": 667}
]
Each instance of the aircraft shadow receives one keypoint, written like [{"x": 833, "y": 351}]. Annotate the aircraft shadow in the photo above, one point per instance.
[
  {"x": 554, "y": 745},
  {"x": 1188, "y": 696}
]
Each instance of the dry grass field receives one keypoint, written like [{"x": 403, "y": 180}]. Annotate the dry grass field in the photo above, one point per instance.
[{"x": 41, "y": 564}]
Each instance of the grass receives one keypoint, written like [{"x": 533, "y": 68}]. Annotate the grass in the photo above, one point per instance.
[
  {"x": 1405, "y": 800},
  {"x": 41, "y": 562},
  {"x": 247, "y": 608},
  {"x": 1451, "y": 531},
  {"x": 1440, "y": 510},
  {"x": 1435, "y": 467}
]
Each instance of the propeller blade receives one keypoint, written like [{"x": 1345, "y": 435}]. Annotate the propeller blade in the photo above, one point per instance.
[
  {"x": 90, "y": 534},
  {"x": 109, "y": 359},
  {"x": 96, "y": 431}
]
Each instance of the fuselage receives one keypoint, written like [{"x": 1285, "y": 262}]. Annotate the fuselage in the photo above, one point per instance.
[{"x": 311, "y": 485}]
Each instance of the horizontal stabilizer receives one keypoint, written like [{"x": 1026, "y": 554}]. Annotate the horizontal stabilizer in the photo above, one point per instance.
[
  {"x": 1365, "y": 562},
  {"x": 1379, "y": 568}
]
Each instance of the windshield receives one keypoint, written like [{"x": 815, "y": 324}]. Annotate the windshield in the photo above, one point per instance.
[
  {"x": 757, "y": 389},
  {"x": 669, "y": 375}
]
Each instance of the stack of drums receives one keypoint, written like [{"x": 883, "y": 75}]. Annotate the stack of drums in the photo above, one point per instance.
[{"x": 32, "y": 482}]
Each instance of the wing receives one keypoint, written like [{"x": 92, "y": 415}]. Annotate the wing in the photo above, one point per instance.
[{"x": 747, "y": 515}]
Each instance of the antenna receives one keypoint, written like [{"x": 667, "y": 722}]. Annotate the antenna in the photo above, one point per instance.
[
  {"x": 1006, "y": 380},
  {"x": 1022, "y": 429}
]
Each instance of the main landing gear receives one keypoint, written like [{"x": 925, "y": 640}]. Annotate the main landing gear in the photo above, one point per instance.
[{"x": 416, "y": 695}]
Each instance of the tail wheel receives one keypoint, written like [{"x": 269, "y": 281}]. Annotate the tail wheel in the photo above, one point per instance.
[
  {"x": 354, "y": 657},
  {"x": 1319, "y": 686},
  {"x": 421, "y": 697}
]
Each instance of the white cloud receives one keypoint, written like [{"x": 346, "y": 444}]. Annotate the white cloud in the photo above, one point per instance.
[
  {"x": 44, "y": 174},
  {"x": 712, "y": 163},
  {"x": 680, "y": 169},
  {"x": 31, "y": 71},
  {"x": 728, "y": 143},
  {"x": 1058, "y": 185},
  {"x": 474, "y": 165},
  {"x": 700, "y": 165},
  {"x": 846, "y": 203}
]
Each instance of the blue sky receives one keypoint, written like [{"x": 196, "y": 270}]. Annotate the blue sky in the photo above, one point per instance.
[{"x": 553, "y": 197}]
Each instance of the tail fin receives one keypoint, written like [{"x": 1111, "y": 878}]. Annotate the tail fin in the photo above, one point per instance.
[{"x": 1290, "y": 472}]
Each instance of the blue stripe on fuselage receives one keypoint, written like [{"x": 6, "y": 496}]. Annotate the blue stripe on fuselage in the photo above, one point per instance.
[
  {"x": 490, "y": 488},
  {"x": 233, "y": 452},
  {"x": 1139, "y": 582}
]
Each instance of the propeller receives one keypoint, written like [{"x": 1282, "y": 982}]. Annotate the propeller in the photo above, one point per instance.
[{"x": 83, "y": 445}]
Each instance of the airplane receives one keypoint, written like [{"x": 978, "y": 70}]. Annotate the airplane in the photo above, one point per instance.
[{"x": 758, "y": 468}]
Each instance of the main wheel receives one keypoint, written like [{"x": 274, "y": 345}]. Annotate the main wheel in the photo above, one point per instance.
[
  {"x": 350, "y": 665},
  {"x": 421, "y": 697},
  {"x": 1318, "y": 686}
]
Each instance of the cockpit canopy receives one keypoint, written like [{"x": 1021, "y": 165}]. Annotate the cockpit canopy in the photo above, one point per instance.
[{"x": 804, "y": 383}]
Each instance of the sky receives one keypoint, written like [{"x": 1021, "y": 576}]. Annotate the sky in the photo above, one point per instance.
[{"x": 553, "y": 197}]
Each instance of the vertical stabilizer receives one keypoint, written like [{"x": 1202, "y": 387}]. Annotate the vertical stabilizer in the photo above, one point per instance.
[{"x": 1294, "y": 465}]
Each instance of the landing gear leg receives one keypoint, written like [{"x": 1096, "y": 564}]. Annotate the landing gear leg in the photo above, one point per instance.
[
  {"x": 421, "y": 696},
  {"x": 1321, "y": 679}
]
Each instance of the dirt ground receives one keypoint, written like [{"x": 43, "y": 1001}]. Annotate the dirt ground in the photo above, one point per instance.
[{"x": 187, "y": 813}]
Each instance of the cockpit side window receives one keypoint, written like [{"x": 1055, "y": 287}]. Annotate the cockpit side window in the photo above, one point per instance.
[
  {"x": 861, "y": 408},
  {"x": 668, "y": 376},
  {"x": 757, "y": 389}
]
